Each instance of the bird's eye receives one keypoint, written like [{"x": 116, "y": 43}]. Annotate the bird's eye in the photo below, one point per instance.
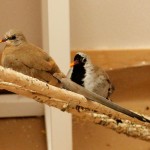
[
  {"x": 84, "y": 60},
  {"x": 77, "y": 59},
  {"x": 12, "y": 37}
]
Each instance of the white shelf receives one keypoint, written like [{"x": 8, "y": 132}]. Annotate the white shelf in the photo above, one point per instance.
[{"x": 12, "y": 105}]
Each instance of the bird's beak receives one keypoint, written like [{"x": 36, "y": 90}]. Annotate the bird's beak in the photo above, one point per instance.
[
  {"x": 74, "y": 63},
  {"x": 3, "y": 40}
]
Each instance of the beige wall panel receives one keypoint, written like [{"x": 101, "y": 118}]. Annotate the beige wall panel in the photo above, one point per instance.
[
  {"x": 24, "y": 15},
  {"x": 110, "y": 24}
]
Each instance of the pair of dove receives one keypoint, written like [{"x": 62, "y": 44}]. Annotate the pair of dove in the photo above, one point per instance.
[{"x": 31, "y": 60}]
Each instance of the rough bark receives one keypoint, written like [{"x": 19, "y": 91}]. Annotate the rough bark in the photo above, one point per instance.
[{"x": 73, "y": 103}]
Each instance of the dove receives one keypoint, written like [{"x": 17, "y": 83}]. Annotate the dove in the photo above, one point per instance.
[
  {"x": 24, "y": 57},
  {"x": 91, "y": 77}
]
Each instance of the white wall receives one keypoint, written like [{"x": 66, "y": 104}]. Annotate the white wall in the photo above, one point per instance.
[
  {"x": 56, "y": 37},
  {"x": 110, "y": 24}
]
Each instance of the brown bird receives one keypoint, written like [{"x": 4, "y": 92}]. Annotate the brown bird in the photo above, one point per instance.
[
  {"x": 27, "y": 58},
  {"x": 89, "y": 76}
]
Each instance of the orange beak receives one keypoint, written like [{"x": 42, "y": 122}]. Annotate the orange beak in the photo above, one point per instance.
[
  {"x": 72, "y": 64},
  {"x": 3, "y": 40}
]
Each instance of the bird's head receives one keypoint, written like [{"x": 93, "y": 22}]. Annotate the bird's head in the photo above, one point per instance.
[
  {"x": 13, "y": 38},
  {"x": 80, "y": 59}
]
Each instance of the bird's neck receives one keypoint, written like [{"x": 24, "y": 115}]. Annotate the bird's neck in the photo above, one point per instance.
[{"x": 15, "y": 43}]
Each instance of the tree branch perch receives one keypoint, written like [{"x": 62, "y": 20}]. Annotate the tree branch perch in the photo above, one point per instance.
[{"x": 66, "y": 100}]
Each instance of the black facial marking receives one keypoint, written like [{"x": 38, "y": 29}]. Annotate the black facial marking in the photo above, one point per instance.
[
  {"x": 78, "y": 74},
  {"x": 79, "y": 71},
  {"x": 12, "y": 37},
  {"x": 81, "y": 60}
]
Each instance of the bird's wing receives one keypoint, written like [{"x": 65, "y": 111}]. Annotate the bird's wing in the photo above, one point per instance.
[
  {"x": 34, "y": 57},
  {"x": 106, "y": 81},
  {"x": 112, "y": 87},
  {"x": 100, "y": 72}
]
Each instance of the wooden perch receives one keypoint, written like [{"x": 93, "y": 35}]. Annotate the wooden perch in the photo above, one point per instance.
[
  {"x": 69, "y": 101},
  {"x": 119, "y": 125}
]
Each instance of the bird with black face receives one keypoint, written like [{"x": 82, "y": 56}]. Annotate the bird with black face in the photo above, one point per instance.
[
  {"x": 91, "y": 77},
  {"x": 24, "y": 57}
]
